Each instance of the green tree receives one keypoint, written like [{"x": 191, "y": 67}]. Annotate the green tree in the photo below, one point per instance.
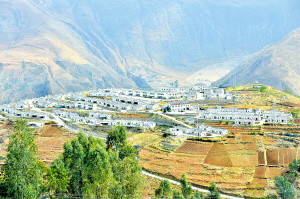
[
  {"x": 214, "y": 193},
  {"x": 127, "y": 151},
  {"x": 97, "y": 175},
  {"x": 164, "y": 190},
  {"x": 116, "y": 138},
  {"x": 130, "y": 178},
  {"x": 3, "y": 183},
  {"x": 98, "y": 172},
  {"x": 186, "y": 187},
  {"x": 263, "y": 89},
  {"x": 22, "y": 168},
  {"x": 58, "y": 177},
  {"x": 168, "y": 109},
  {"x": 76, "y": 167},
  {"x": 178, "y": 195},
  {"x": 293, "y": 166},
  {"x": 285, "y": 189}
]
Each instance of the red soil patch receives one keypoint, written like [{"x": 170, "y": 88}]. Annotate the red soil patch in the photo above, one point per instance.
[
  {"x": 195, "y": 148},
  {"x": 261, "y": 158},
  {"x": 272, "y": 157},
  {"x": 260, "y": 172},
  {"x": 52, "y": 131}
]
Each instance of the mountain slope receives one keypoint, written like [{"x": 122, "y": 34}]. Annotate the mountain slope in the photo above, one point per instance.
[
  {"x": 277, "y": 65},
  {"x": 54, "y": 46}
]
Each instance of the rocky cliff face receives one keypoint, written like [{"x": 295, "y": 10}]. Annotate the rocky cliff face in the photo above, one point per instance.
[
  {"x": 54, "y": 46},
  {"x": 276, "y": 65}
]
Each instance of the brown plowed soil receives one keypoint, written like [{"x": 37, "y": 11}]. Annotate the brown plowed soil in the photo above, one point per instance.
[
  {"x": 260, "y": 172},
  {"x": 50, "y": 142},
  {"x": 51, "y": 131},
  {"x": 272, "y": 157},
  {"x": 218, "y": 156},
  {"x": 272, "y": 172},
  {"x": 261, "y": 158},
  {"x": 195, "y": 148},
  {"x": 231, "y": 155}
]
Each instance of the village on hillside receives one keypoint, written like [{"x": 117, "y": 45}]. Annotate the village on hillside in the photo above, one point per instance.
[
  {"x": 96, "y": 108},
  {"x": 247, "y": 132}
]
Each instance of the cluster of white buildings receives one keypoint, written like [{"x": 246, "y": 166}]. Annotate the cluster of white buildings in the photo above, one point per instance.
[
  {"x": 244, "y": 116},
  {"x": 201, "y": 131},
  {"x": 275, "y": 117},
  {"x": 52, "y": 103},
  {"x": 179, "y": 106},
  {"x": 215, "y": 93},
  {"x": 160, "y": 93},
  {"x": 117, "y": 103},
  {"x": 19, "y": 113},
  {"x": 136, "y": 103},
  {"x": 102, "y": 119}
]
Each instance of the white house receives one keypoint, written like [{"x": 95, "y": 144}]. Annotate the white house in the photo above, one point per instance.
[{"x": 179, "y": 106}]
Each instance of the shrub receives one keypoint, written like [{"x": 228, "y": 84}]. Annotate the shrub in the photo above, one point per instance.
[
  {"x": 284, "y": 188},
  {"x": 166, "y": 134},
  {"x": 263, "y": 89},
  {"x": 287, "y": 91}
]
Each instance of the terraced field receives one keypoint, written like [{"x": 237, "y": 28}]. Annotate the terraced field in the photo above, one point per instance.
[
  {"x": 50, "y": 142},
  {"x": 244, "y": 164}
]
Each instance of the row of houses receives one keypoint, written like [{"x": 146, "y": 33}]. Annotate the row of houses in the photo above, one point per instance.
[
  {"x": 200, "y": 131},
  {"x": 275, "y": 117},
  {"x": 26, "y": 114},
  {"x": 102, "y": 119},
  {"x": 118, "y": 103},
  {"x": 244, "y": 116},
  {"x": 162, "y": 93},
  {"x": 138, "y": 104},
  {"x": 179, "y": 106},
  {"x": 51, "y": 103}
]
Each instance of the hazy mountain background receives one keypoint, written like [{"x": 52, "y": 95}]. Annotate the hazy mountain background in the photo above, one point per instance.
[
  {"x": 55, "y": 46},
  {"x": 277, "y": 65}
]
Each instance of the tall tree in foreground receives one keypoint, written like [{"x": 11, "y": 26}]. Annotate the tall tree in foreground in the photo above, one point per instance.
[
  {"x": 116, "y": 138},
  {"x": 214, "y": 193},
  {"x": 22, "y": 168},
  {"x": 285, "y": 189},
  {"x": 164, "y": 190},
  {"x": 130, "y": 178},
  {"x": 89, "y": 170},
  {"x": 58, "y": 178},
  {"x": 186, "y": 187},
  {"x": 98, "y": 176}
]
